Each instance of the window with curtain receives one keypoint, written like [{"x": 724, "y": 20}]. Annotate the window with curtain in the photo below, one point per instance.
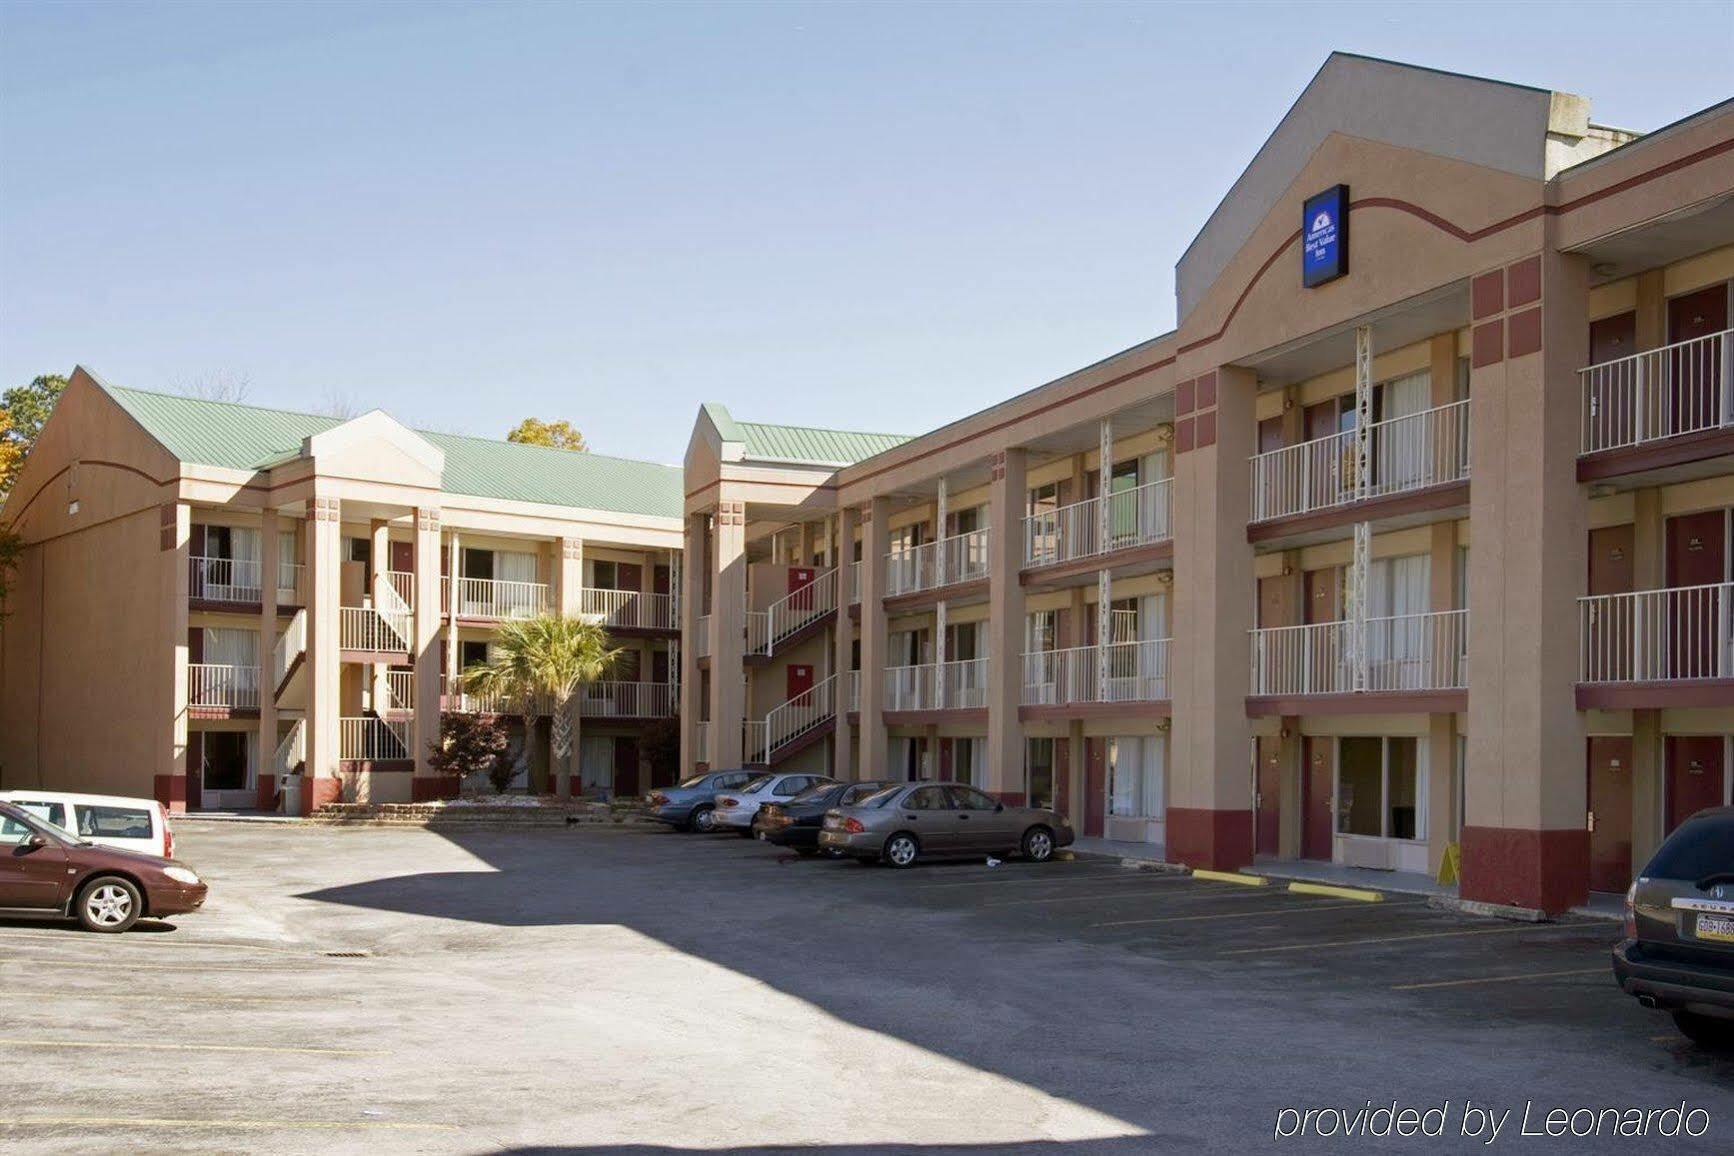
[
  {"x": 229, "y": 646},
  {"x": 1136, "y": 768}
]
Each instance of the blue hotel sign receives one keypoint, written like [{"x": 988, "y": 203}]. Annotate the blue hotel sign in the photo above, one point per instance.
[{"x": 1325, "y": 236}]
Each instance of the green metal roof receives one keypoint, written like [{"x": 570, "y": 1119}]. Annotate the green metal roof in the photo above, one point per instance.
[
  {"x": 830, "y": 447},
  {"x": 248, "y": 437}
]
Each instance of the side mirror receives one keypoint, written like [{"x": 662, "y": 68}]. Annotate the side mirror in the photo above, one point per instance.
[{"x": 38, "y": 841}]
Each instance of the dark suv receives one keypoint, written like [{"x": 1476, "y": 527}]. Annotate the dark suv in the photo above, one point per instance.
[{"x": 1678, "y": 954}]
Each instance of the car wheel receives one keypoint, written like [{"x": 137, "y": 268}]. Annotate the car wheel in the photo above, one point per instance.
[
  {"x": 704, "y": 820},
  {"x": 1038, "y": 844},
  {"x": 109, "y": 904},
  {"x": 901, "y": 850},
  {"x": 1709, "y": 1031}
]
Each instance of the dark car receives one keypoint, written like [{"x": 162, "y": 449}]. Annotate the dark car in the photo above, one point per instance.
[
  {"x": 1678, "y": 953},
  {"x": 690, "y": 805},
  {"x": 914, "y": 821},
  {"x": 796, "y": 823},
  {"x": 45, "y": 870}
]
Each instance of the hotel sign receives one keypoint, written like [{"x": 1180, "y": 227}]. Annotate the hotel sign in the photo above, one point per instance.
[{"x": 1325, "y": 236}]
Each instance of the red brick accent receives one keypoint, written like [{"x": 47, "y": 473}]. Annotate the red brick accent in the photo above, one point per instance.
[
  {"x": 267, "y": 793},
  {"x": 1184, "y": 395},
  {"x": 318, "y": 790},
  {"x": 1010, "y": 798},
  {"x": 1487, "y": 295},
  {"x": 1207, "y": 390},
  {"x": 426, "y": 790},
  {"x": 1207, "y": 429},
  {"x": 1523, "y": 333},
  {"x": 1545, "y": 869},
  {"x": 1524, "y": 281},
  {"x": 1215, "y": 840},
  {"x": 171, "y": 792},
  {"x": 1487, "y": 344},
  {"x": 1183, "y": 435}
]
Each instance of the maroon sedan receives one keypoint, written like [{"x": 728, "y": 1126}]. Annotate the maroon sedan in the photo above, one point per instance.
[{"x": 45, "y": 870}]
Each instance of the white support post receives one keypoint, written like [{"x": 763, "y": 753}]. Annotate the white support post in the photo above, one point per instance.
[
  {"x": 1358, "y": 569},
  {"x": 1363, "y": 410},
  {"x": 939, "y": 655},
  {"x": 1105, "y": 482},
  {"x": 451, "y": 610},
  {"x": 1104, "y": 629},
  {"x": 941, "y": 512}
]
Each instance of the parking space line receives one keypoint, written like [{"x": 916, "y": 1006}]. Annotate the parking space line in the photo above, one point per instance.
[
  {"x": 1530, "y": 927},
  {"x": 1094, "y": 876},
  {"x": 99, "y": 965},
  {"x": 77, "y": 939},
  {"x": 1196, "y": 893},
  {"x": 250, "y": 1125},
  {"x": 1271, "y": 911},
  {"x": 1499, "y": 978},
  {"x": 167, "y": 997},
  {"x": 130, "y": 1046}
]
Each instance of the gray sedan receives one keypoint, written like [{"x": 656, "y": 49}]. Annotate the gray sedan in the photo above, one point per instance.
[
  {"x": 941, "y": 820},
  {"x": 691, "y": 806}
]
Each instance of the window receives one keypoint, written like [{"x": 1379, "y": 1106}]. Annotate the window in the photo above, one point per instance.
[
  {"x": 360, "y": 550},
  {"x": 1041, "y": 631},
  {"x": 13, "y": 833},
  {"x": 113, "y": 822},
  {"x": 739, "y": 778},
  {"x": 754, "y": 786},
  {"x": 1039, "y": 772},
  {"x": 970, "y": 799},
  {"x": 605, "y": 575},
  {"x": 48, "y": 812},
  {"x": 1379, "y": 787},
  {"x": 928, "y": 799},
  {"x": 860, "y": 793},
  {"x": 1044, "y": 499},
  {"x": 1135, "y": 776},
  {"x": 1701, "y": 846},
  {"x": 791, "y": 786}
]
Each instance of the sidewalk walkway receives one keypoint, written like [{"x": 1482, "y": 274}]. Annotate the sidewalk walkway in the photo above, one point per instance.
[
  {"x": 1401, "y": 882},
  {"x": 1118, "y": 849}
]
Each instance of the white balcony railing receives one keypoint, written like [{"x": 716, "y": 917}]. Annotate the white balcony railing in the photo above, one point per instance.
[
  {"x": 463, "y": 701},
  {"x": 489, "y": 598},
  {"x": 768, "y": 628},
  {"x": 629, "y": 609},
  {"x": 789, "y": 721},
  {"x": 369, "y": 628},
  {"x": 959, "y": 558},
  {"x": 291, "y": 583},
  {"x": 371, "y": 738},
  {"x": 1134, "y": 672},
  {"x": 292, "y": 751},
  {"x": 1662, "y": 393},
  {"x": 400, "y": 690},
  {"x": 701, "y": 644},
  {"x": 1136, "y": 517},
  {"x": 628, "y": 699},
  {"x": 1414, "y": 452},
  {"x": 402, "y": 584},
  {"x": 960, "y": 685},
  {"x": 224, "y": 579},
  {"x": 1682, "y": 634},
  {"x": 291, "y": 644},
  {"x": 215, "y": 685},
  {"x": 753, "y": 740},
  {"x": 1411, "y": 652}
]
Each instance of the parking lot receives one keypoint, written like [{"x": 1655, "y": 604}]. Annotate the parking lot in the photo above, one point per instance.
[{"x": 633, "y": 988}]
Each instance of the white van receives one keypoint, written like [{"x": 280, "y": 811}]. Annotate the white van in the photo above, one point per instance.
[{"x": 106, "y": 820}]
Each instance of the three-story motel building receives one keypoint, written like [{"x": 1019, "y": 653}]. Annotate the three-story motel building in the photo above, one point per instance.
[{"x": 1413, "y": 534}]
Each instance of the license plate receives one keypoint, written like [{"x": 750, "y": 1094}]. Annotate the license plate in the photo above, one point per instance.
[
  {"x": 761, "y": 835},
  {"x": 832, "y": 824},
  {"x": 1719, "y": 928}
]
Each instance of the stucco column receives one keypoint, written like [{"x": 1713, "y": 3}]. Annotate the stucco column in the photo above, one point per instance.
[
  {"x": 379, "y": 587},
  {"x": 1288, "y": 837},
  {"x": 569, "y": 577},
  {"x": 1210, "y": 822},
  {"x": 170, "y": 757},
  {"x": 691, "y": 609},
  {"x": 1524, "y": 836},
  {"x": 876, "y": 540},
  {"x": 728, "y": 697},
  {"x": 426, "y": 729},
  {"x": 269, "y": 557},
  {"x": 324, "y": 559},
  {"x": 1649, "y": 572},
  {"x": 843, "y": 737},
  {"x": 1008, "y": 494}
]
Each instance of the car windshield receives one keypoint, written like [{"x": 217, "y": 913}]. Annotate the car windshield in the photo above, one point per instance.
[
  {"x": 1699, "y": 848},
  {"x": 754, "y": 786},
  {"x": 880, "y": 798},
  {"x": 695, "y": 781},
  {"x": 814, "y": 794}
]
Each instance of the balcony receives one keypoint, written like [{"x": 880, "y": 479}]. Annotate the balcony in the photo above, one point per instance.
[
  {"x": 1407, "y": 454},
  {"x": 371, "y": 739},
  {"x": 238, "y": 581},
  {"x": 1134, "y": 672},
  {"x": 786, "y": 620},
  {"x": 628, "y": 700},
  {"x": 1408, "y": 655},
  {"x": 1670, "y": 399},
  {"x": 372, "y": 630},
  {"x": 960, "y": 685},
  {"x": 291, "y": 647},
  {"x": 629, "y": 609},
  {"x": 1133, "y": 518},
  {"x": 400, "y": 692},
  {"x": 463, "y": 701},
  {"x": 1657, "y": 648},
  {"x": 791, "y": 725},
  {"x": 932, "y": 565},
  {"x": 222, "y": 688},
  {"x": 490, "y": 599}
]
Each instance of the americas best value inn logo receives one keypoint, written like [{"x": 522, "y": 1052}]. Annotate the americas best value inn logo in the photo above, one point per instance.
[{"x": 1325, "y": 236}]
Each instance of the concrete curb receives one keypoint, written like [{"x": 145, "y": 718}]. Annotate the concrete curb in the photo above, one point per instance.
[{"x": 1489, "y": 910}]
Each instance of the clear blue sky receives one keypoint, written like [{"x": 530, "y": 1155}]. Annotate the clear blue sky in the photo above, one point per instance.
[{"x": 868, "y": 216}]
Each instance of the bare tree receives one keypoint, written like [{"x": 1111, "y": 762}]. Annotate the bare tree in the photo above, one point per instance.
[
  {"x": 340, "y": 404},
  {"x": 221, "y": 385}
]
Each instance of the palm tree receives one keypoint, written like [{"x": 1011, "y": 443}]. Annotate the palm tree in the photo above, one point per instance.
[{"x": 544, "y": 660}]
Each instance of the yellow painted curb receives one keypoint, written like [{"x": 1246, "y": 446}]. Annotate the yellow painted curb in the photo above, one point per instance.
[
  {"x": 1233, "y": 877},
  {"x": 1339, "y": 892}
]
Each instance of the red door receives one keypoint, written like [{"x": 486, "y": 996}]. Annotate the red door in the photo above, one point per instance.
[
  {"x": 1695, "y": 372},
  {"x": 625, "y": 767},
  {"x": 799, "y": 680},
  {"x": 195, "y": 770},
  {"x": 1695, "y": 770},
  {"x": 1095, "y": 785},
  {"x": 945, "y": 746},
  {"x": 403, "y": 557},
  {"x": 1614, "y": 337},
  {"x": 1697, "y": 546},
  {"x": 1610, "y": 812},
  {"x": 1316, "y": 798},
  {"x": 1269, "y": 800},
  {"x": 659, "y": 579},
  {"x": 801, "y": 577},
  {"x": 1609, "y": 654},
  {"x": 1063, "y": 777}
]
